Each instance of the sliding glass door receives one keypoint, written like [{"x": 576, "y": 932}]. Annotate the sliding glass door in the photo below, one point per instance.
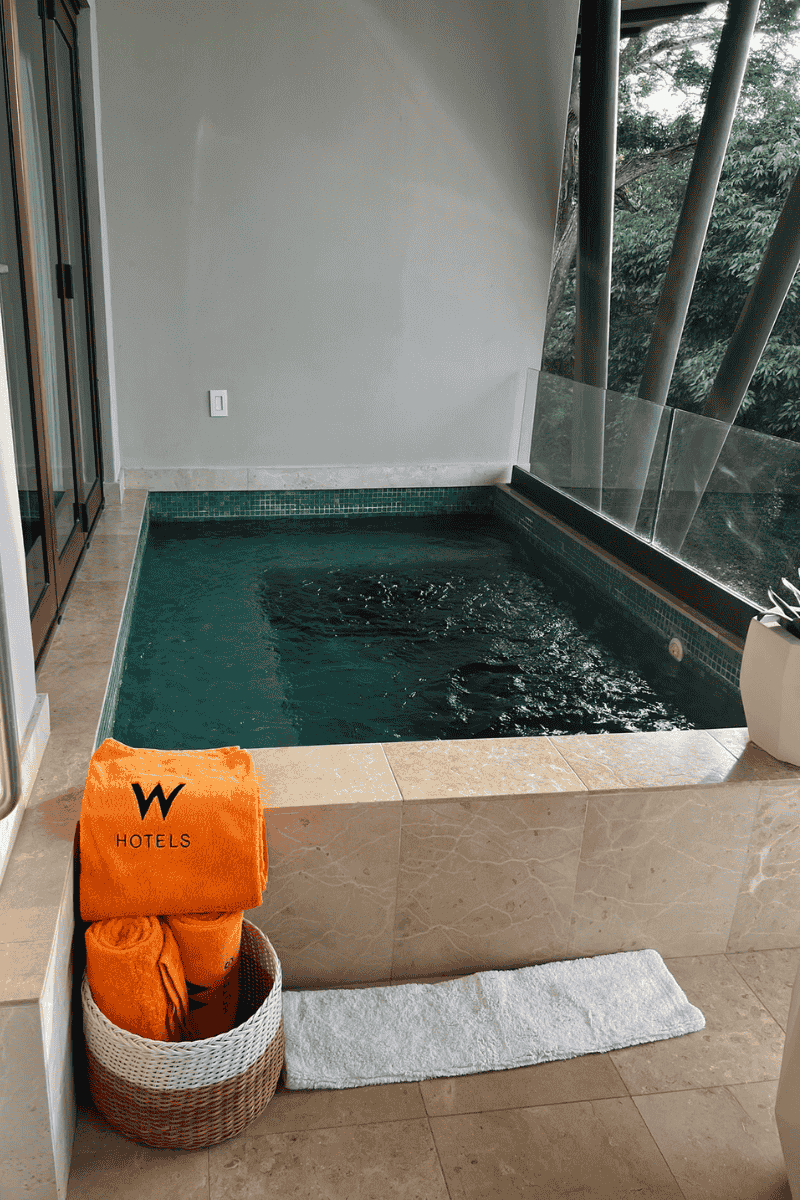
[
  {"x": 46, "y": 300},
  {"x": 74, "y": 244}
]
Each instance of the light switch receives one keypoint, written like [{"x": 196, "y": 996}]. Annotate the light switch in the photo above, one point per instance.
[{"x": 218, "y": 402}]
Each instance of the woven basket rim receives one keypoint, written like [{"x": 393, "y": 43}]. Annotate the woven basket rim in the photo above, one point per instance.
[{"x": 203, "y": 1046}]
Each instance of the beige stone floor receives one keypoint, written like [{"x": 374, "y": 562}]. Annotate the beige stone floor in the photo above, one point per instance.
[{"x": 688, "y": 1117}]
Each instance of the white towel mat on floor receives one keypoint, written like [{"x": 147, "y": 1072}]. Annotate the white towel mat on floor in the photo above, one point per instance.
[{"x": 491, "y": 1021}]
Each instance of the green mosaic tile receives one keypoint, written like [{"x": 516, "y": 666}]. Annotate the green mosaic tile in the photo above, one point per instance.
[
  {"x": 655, "y": 612},
  {"x": 200, "y": 506}
]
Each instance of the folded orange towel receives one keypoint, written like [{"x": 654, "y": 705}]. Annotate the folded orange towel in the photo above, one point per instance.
[
  {"x": 134, "y": 969},
  {"x": 210, "y": 946},
  {"x": 171, "y": 831}
]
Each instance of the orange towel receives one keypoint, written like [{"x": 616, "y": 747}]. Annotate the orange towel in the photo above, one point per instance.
[
  {"x": 210, "y": 946},
  {"x": 171, "y": 831},
  {"x": 134, "y": 969}
]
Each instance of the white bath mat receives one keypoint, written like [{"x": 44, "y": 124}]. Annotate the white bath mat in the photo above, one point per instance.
[{"x": 491, "y": 1021}]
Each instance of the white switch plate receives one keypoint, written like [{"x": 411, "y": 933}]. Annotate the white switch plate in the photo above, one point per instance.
[{"x": 218, "y": 403}]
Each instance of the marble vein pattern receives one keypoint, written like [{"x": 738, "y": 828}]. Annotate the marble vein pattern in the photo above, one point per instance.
[
  {"x": 767, "y": 912},
  {"x": 329, "y": 905},
  {"x": 315, "y": 775},
  {"x": 480, "y": 767},
  {"x": 661, "y": 869},
  {"x": 485, "y": 884},
  {"x": 624, "y": 760}
]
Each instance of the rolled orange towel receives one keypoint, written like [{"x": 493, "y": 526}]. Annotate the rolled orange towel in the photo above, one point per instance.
[
  {"x": 210, "y": 946},
  {"x": 171, "y": 831},
  {"x": 134, "y": 969}
]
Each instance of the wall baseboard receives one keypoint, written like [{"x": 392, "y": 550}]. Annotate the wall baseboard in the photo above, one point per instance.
[{"x": 250, "y": 479}]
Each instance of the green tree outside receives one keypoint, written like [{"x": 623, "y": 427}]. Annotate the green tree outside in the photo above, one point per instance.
[{"x": 653, "y": 161}]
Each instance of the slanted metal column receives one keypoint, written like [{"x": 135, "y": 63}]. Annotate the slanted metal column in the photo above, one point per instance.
[
  {"x": 724, "y": 89},
  {"x": 761, "y": 308},
  {"x": 701, "y": 189},
  {"x": 597, "y": 151},
  {"x": 760, "y": 312}
]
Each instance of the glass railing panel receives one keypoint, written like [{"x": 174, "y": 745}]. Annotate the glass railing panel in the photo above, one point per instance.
[
  {"x": 730, "y": 505},
  {"x": 602, "y": 448},
  {"x": 634, "y": 448},
  {"x": 551, "y": 455}
]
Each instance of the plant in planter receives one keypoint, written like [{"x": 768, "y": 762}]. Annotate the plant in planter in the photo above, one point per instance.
[{"x": 770, "y": 678}]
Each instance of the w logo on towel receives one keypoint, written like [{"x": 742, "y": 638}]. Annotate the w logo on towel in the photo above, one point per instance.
[{"x": 164, "y": 802}]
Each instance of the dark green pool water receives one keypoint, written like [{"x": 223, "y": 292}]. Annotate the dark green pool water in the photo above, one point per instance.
[{"x": 369, "y": 629}]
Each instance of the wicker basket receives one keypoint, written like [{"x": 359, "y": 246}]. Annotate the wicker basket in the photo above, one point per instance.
[{"x": 188, "y": 1095}]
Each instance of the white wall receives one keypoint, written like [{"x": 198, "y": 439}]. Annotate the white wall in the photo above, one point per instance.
[{"x": 341, "y": 211}]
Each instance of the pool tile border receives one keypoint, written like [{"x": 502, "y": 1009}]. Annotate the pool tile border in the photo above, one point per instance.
[{"x": 207, "y": 506}]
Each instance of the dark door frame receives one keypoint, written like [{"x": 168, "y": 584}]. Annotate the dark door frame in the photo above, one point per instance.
[{"x": 60, "y": 568}]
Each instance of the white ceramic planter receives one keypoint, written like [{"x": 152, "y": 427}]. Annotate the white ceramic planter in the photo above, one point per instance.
[{"x": 770, "y": 688}]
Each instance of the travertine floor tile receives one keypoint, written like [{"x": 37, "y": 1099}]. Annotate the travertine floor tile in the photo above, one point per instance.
[
  {"x": 72, "y": 685},
  {"x": 108, "y": 559},
  {"x": 758, "y": 1101},
  {"x": 316, "y": 1109},
  {"x": 105, "y": 1164},
  {"x": 601, "y": 1150},
  {"x": 84, "y": 641},
  {"x": 479, "y": 767},
  {"x": 357, "y": 774},
  {"x": 394, "y": 1160},
  {"x": 65, "y": 763},
  {"x": 771, "y": 975},
  {"x": 114, "y": 545},
  {"x": 98, "y": 603},
  {"x": 22, "y": 967},
  {"x": 624, "y": 760},
  {"x": 591, "y": 1077},
  {"x": 734, "y": 740},
  {"x": 76, "y": 712},
  {"x": 759, "y": 764},
  {"x": 714, "y": 1148},
  {"x": 741, "y": 1042},
  {"x": 122, "y": 519}
]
